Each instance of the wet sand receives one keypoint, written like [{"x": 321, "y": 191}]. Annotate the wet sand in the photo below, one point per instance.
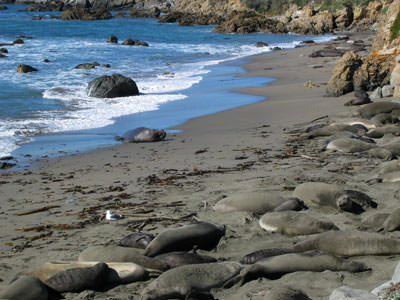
[{"x": 177, "y": 181}]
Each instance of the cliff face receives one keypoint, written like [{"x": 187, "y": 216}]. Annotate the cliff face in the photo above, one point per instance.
[
  {"x": 387, "y": 24},
  {"x": 209, "y": 7}
]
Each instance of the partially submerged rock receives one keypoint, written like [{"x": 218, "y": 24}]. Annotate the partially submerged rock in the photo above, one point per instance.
[{"x": 112, "y": 86}]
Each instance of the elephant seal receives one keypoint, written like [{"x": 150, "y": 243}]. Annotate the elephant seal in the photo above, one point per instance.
[
  {"x": 389, "y": 167},
  {"x": 142, "y": 134},
  {"x": 291, "y": 204},
  {"x": 294, "y": 223},
  {"x": 26, "y": 288},
  {"x": 79, "y": 279},
  {"x": 282, "y": 293},
  {"x": 254, "y": 202},
  {"x": 372, "y": 109},
  {"x": 182, "y": 281},
  {"x": 348, "y": 145},
  {"x": 180, "y": 258},
  {"x": 334, "y": 196},
  {"x": 380, "y": 153},
  {"x": 383, "y": 118},
  {"x": 136, "y": 240},
  {"x": 255, "y": 256},
  {"x": 314, "y": 261},
  {"x": 362, "y": 98},
  {"x": 335, "y": 128},
  {"x": 202, "y": 235},
  {"x": 351, "y": 243},
  {"x": 118, "y": 273},
  {"x": 379, "y": 132},
  {"x": 392, "y": 223},
  {"x": 121, "y": 254}
]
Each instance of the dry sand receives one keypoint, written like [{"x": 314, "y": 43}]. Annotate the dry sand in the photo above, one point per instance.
[{"x": 162, "y": 185}]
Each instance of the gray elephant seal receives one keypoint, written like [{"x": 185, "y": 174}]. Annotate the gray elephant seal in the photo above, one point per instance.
[
  {"x": 136, "y": 240},
  {"x": 334, "y": 196},
  {"x": 314, "y": 261},
  {"x": 180, "y": 258},
  {"x": 121, "y": 254},
  {"x": 202, "y": 235},
  {"x": 79, "y": 279},
  {"x": 349, "y": 145},
  {"x": 294, "y": 223},
  {"x": 18, "y": 289},
  {"x": 185, "y": 280},
  {"x": 351, "y": 243},
  {"x": 142, "y": 134},
  {"x": 372, "y": 109},
  {"x": 255, "y": 256},
  {"x": 392, "y": 222},
  {"x": 379, "y": 132}
]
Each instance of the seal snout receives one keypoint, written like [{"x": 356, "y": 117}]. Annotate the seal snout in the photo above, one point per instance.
[{"x": 344, "y": 202}]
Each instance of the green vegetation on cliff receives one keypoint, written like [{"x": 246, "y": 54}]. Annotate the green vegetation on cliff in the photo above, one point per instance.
[
  {"x": 395, "y": 28},
  {"x": 276, "y": 7}
]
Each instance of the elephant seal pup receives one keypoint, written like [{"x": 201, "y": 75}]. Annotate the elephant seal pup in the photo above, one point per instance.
[
  {"x": 254, "y": 202},
  {"x": 142, "y": 134},
  {"x": 136, "y": 240},
  {"x": 121, "y": 254},
  {"x": 118, "y": 273},
  {"x": 202, "y": 235},
  {"x": 372, "y": 109},
  {"x": 294, "y": 223},
  {"x": 79, "y": 279},
  {"x": 182, "y": 281},
  {"x": 348, "y": 145},
  {"x": 334, "y": 196},
  {"x": 314, "y": 261},
  {"x": 351, "y": 243},
  {"x": 17, "y": 290},
  {"x": 255, "y": 256},
  {"x": 180, "y": 258}
]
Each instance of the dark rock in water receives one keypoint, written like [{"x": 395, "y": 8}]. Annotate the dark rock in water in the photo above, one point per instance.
[
  {"x": 18, "y": 41},
  {"x": 106, "y": 65},
  {"x": 261, "y": 44},
  {"x": 3, "y": 7},
  {"x": 87, "y": 14},
  {"x": 136, "y": 240},
  {"x": 180, "y": 258},
  {"x": 327, "y": 53},
  {"x": 8, "y": 157},
  {"x": 19, "y": 289},
  {"x": 46, "y": 6},
  {"x": 130, "y": 42},
  {"x": 112, "y": 39},
  {"x": 6, "y": 165},
  {"x": 46, "y": 60},
  {"x": 3, "y": 50},
  {"x": 25, "y": 69},
  {"x": 308, "y": 42},
  {"x": 87, "y": 65},
  {"x": 153, "y": 12},
  {"x": 112, "y": 86},
  {"x": 143, "y": 134},
  {"x": 2, "y": 55},
  {"x": 79, "y": 279}
]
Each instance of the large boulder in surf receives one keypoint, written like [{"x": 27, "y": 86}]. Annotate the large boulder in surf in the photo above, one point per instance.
[
  {"x": 112, "y": 86},
  {"x": 25, "y": 69},
  {"x": 87, "y": 14}
]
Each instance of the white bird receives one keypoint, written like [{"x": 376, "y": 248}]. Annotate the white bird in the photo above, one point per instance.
[{"x": 111, "y": 216}]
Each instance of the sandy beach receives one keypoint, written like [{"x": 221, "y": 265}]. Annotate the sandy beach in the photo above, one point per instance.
[{"x": 177, "y": 181}]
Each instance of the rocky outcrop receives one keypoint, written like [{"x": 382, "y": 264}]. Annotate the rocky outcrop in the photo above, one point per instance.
[
  {"x": 153, "y": 12},
  {"x": 185, "y": 19},
  {"x": 87, "y": 66},
  {"x": 341, "y": 81},
  {"x": 385, "y": 39},
  {"x": 131, "y": 42},
  {"x": 25, "y": 69},
  {"x": 112, "y": 86},
  {"x": 112, "y": 39},
  {"x": 46, "y": 6},
  {"x": 209, "y": 7},
  {"x": 87, "y": 14}
]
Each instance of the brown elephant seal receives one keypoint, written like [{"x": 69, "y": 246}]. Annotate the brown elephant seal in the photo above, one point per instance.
[
  {"x": 202, "y": 235},
  {"x": 383, "y": 118},
  {"x": 118, "y": 273},
  {"x": 253, "y": 202},
  {"x": 379, "y": 132},
  {"x": 291, "y": 204},
  {"x": 182, "y": 281},
  {"x": 79, "y": 279},
  {"x": 372, "y": 109},
  {"x": 142, "y": 134},
  {"x": 351, "y": 243},
  {"x": 255, "y": 256},
  {"x": 313, "y": 261},
  {"x": 331, "y": 195},
  {"x": 25, "y": 288},
  {"x": 294, "y": 223},
  {"x": 180, "y": 258},
  {"x": 136, "y": 240},
  {"x": 349, "y": 145},
  {"x": 335, "y": 128},
  {"x": 362, "y": 98},
  {"x": 121, "y": 254}
]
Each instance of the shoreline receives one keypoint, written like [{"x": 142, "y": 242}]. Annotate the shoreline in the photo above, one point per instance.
[{"x": 234, "y": 151}]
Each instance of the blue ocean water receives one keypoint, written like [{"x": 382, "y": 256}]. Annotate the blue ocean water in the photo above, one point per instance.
[{"x": 186, "y": 72}]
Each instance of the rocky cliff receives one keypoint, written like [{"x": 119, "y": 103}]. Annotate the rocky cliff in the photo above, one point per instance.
[{"x": 209, "y": 7}]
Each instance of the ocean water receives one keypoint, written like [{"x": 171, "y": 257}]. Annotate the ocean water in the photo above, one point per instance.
[{"x": 186, "y": 72}]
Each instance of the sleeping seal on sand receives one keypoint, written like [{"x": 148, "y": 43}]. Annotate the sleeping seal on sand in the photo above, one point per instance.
[
  {"x": 332, "y": 195},
  {"x": 182, "y": 281},
  {"x": 348, "y": 145},
  {"x": 142, "y": 134},
  {"x": 372, "y": 109}
]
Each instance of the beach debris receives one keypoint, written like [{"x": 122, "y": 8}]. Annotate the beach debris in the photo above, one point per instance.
[
  {"x": 111, "y": 216},
  {"x": 52, "y": 226},
  {"x": 46, "y": 208},
  {"x": 310, "y": 84}
]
